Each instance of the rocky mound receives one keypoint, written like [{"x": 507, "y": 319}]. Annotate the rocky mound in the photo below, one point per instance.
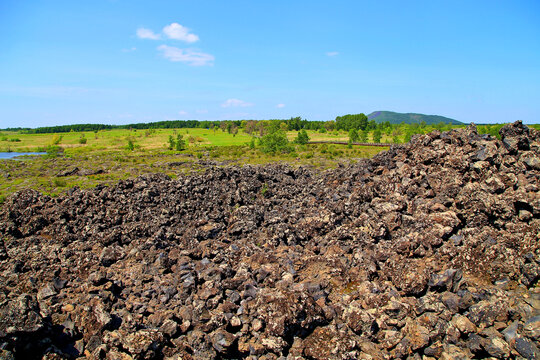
[{"x": 429, "y": 250}]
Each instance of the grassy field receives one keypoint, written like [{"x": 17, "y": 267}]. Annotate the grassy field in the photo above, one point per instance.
[
  {"x": 105, "y": 158},
  {"x": 113, "y": 140}
]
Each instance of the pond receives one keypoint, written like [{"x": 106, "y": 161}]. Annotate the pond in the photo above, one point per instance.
[{"x": 11, "y": 155}]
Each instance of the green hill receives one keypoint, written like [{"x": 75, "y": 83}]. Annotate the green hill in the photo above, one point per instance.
[{"x": 409, "y": 118}]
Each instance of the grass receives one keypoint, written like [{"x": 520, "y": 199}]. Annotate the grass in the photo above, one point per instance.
[{"x": 105, "y": 158}]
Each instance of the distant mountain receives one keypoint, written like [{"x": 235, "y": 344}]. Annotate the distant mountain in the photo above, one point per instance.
[{"x": 409, "y": 118}]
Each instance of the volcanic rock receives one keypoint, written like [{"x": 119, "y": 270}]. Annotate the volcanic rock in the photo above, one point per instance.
[{"x": 429, "y": 249}]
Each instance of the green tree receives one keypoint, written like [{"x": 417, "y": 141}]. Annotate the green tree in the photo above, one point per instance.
[
  {"x": 275, "y": 142},
  {"x": 180, "y": 144},
  {"x": 172, "y": 143},
  {"x": 353, "y": 135},
  {"x": 302, "y": 138},
  {"x": 363, "y": 136},
  {"x": 377, "y": 136}
]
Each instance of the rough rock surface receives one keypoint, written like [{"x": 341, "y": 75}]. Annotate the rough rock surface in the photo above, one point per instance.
[{"x": 429, "y": 250}]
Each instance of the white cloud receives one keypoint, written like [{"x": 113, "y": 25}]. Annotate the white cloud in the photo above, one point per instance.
[
  {"x": 235, "y": 103},
  {"x": 129, "y": 50},
  {"x": 280, "y": 106},
  {"x": 189, "y": 56},
  {"x": 182, "y": 112},
  {"x": 203, "y": 111},
  {"x": 143, "y": 33},
  {"x": 178, "y": 32},
  {"x": 332, "y": 53}
]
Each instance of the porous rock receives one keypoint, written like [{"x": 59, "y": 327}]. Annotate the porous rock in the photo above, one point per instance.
[{"x": 430, "y": 249}]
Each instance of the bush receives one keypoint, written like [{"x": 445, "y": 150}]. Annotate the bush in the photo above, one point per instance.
[
  {"x": 56, "y": 139},
  {"x": 59, "y": 182},
  {"x": 82, "y": 139},
  {"x": 130, "y": 146},
  {"x": 353, "y": 135},
  {"x": 324, "y": 149},
  {"x": 377, "y": 136},
  {"x": 302, "y": 138},
  {"x": 275, "y": 142},
  {"x": 363, "y": 136},
  {"x": 53, "y": 151},
  {"x": 180, "y": 144}
]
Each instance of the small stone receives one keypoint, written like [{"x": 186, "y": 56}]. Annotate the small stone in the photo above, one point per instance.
[
  {"x": 531, "y": 328},
  {"x": 46, "y": 292},
  {"x": 527, "y": 348},
  {"x": 221, "y": 340},
  {"x": 510, "y": 333},
  {"x": 235, "y": 321},
  {"x": 497, "y": 347},
  {"x": 464, "y": 325},
  {"x": 68, "y": 308},
  {"x": 184, "y": 327},
  {"x": 169, "y": 327},
  {"x": 257, "y": 324}
]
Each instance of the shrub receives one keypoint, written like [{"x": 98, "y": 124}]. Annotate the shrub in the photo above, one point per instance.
[
  {"x": 180, "y": 143},
  {"x": 324, "y": 149},
  {"x": 59, "y": 182},
  {"x": 82, "y": 139},
  {"x": 130, "y": 146},
  {"x": 363, "y": 136},
  {"x": 275, "y": 142},
  {"x": 53, "y": 151},
  {"x": 56, "y": 139},
  {"x": 377, "y": 136},
  {"x": 302, "y": 137},
  {"x": 353, "y": 135}
]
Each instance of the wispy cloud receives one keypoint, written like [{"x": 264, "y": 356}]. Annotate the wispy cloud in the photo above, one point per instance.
[
  {"x": 173, "y": 31},
  {"x": 143, "y": 33},
  {"x": 182, "y": 113},
  {"x": 201, "y": 111},
  {"x": 332, "y": 53},
  {"x": 189, "y": 56},
  {"x": 235, "y": 103},
  {"x": 178, "y": 32},
  {"x": 280, "y": 106},
  {"x": 129, "y": 50}
]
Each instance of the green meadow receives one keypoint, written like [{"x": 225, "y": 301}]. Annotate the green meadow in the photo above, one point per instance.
[
  {"x": 104, "y": 157},
  {"x": 88, "y": 158}
]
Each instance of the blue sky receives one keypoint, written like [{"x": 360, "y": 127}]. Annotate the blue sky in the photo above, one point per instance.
[{"x": 118, "y": 62}]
